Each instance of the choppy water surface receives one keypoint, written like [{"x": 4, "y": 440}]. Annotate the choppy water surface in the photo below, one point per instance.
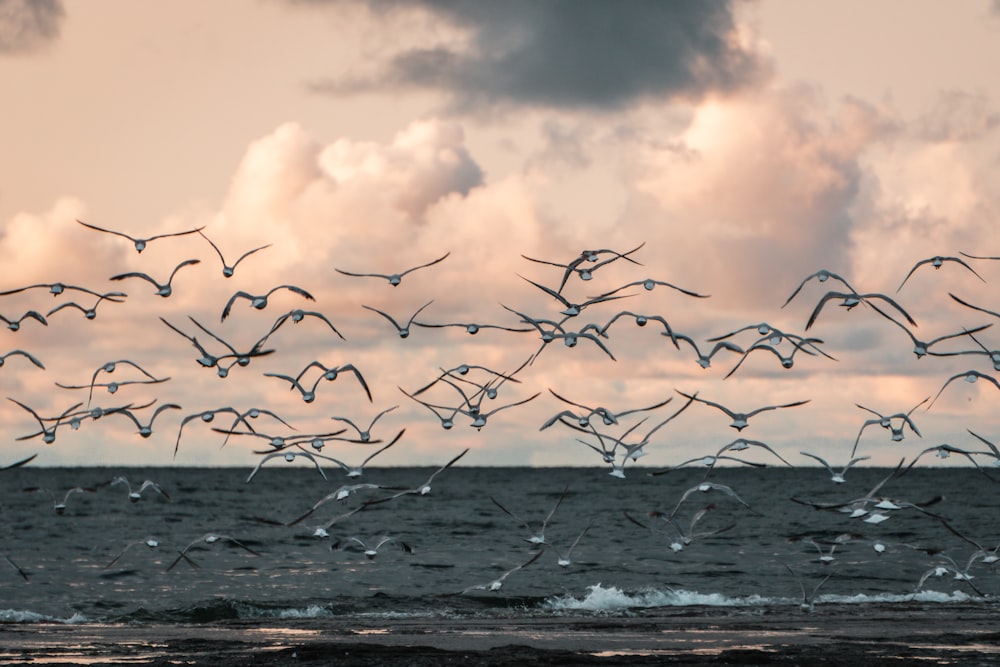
[{"x": 461, "y": 539}]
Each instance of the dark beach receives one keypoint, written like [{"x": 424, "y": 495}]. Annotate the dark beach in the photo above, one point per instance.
[{"x": 832, "y": 635}]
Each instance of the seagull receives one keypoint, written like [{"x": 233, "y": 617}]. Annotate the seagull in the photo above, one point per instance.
[
  {"x": 587, "y": 272},
  {"x": 684, "y": 537},
  {"x": 208, "y": 416},
  {"x": 15, "y": 324},
  {"x": 471, "y": 328},
  {"x": 364, "y": 434},
  {"x": 573, "y": 309},
  {"x": 393, "y": 278},
  {"x": 48, "y": 433},
  {"x": 640, "y": 321},
  {"x": 552, "y": 327},
  {"x": 922, "y": 348},
  {"x": 60, "y": 505},
  {"x": 57, "y": 289},
  {"x": 837, "y": 477},
  {"x": 606, "y": 415},
  {"x": 135, "y": 495},
  {"x": 447, "y": 419},
  {"x": 970, "y": 376},
  {"x": 937, "y": 262},
  {"x": 944, "y": 451},
  {"x": 358, "y": 470},
  {"x": 787, "y": 360},
  {"x": 852, "y": 299},
  {"x": 288, "y": 456},
  {"x": 239, "y": 358},
  {"x": 227, "y": 269},
  {"x": 27, "y": 355},
  {"x": 960, "y": 574},
  {"x": 145, "y": 430},
  {"x": 563, "y": 557},
  {"x": 402, "y": 330},
  {"x": 885, "y": 421},
  {"x": 140, "y": 244},
  {"x": 808, "y": 600},
  {"x": 165, "y": 289},
  {"x": 988, "y": 556},
  {"x": 112, "y": 387},
  {"x": 497, "y": 583},
  {"x": 370, "y": 551},
  {"x": 422, "y": 489},
  {"x": 329, "y": 373},
  {"x": 342, "y": 493},
  {"x": 537, "y": 536},
  {"x": 297, "y": 316},
  {"x": 709, "y": 462},
  {"x": 969, "y": 305},
  {"x": 18, "y": 568},
  {"x": 18, "y": 464},
  {"x": 209, "y": 539},
  {"x": 994, "y": 355},
  {"x": 308, "y": 395},
  {"x": 741, "y": 419},
  {"x": 571, "y": 338},
  {"x": 705, "y": 487},
  {"x": 259, "y": 301},
  {"x": 150, "y": 542},
  {"x": 822, "y": 276},
  {"x": 89, "y": 313},
  {"x": 649, "y": 285},
  {"x": 705, "y": 360}
]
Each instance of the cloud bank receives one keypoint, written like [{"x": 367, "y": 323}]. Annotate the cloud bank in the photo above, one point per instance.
[{"x": 28, "y": 25}]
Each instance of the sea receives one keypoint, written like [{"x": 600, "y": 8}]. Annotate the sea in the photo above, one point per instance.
[{"x": 765, "y": 539}]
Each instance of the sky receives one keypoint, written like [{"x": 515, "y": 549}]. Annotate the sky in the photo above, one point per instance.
[{"x": 738, "y": 147}]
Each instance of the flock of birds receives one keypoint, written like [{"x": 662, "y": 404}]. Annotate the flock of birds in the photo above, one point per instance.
[{"x": 619, "y": 438}]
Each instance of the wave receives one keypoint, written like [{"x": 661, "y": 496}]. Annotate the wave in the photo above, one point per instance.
[
  {"x": 24, "y": 616},
  {"x": 612, "y": 599}
]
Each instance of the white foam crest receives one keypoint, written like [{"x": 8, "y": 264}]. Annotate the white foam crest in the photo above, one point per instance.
[
  {"x": 600, "y": 598},
  {"x": 24, "y": 616},
  {"x": 312, "y": 611}
]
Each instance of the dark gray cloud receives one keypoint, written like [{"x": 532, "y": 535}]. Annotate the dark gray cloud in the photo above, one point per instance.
[
  {"x": 594, "y": 54},
  {"x": 26, "y": 25}
]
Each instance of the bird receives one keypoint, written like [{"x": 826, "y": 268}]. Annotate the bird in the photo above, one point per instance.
[
  {"x": 340, "y": 494},
  {"x": 537, "y": 537},
  {"x": 922, "y": 348},
  {"x": 837, "y": 477},
  {"x": 401, "y": 329},
  {"x": 937, "y": 262},
  {"x": 886, "y": 421},
  {"x": 328, "y": 373},
  {"x": 994, "y": 355},
  {"x": 497, "y": 583},
  {"x": 145, "y": 430},
  {"x": 112, "y": 387},
  {"x": 393, "y": 278},
  {"x": 209, "y": 539},
  {"x": 59, "y": 505},
  {"x": 684, "y": 537},
  {"x": 27, "y": 355},
  {"x": 787, "y": 360},
  {"x": 944, "y": 451},
  {"x": 571, "y": 338},
  {"x": 808, "y": 602},
  {"x": 259, "y": 301},
  {"x": 821, "y": 276},
  {"x": 208, "y": 416},
  {"x": 229, "y": 269},
  {"x": 364, "y": 434},
  {"x": 563, "y": 557},
  {"x": 969, "y": 305},
  {"x": 58, "y": 289},
  {"x": 135, "y": 495},
  {"x": 607, "y": 416},
  {"x": 588, "y": 259},
  {"x": 424, "y": 488},
  {"x": 969, "y": 376},
  {"x": 20, "y": 571},
  {"x": 150, "y": 542},
  {"x": 370, "y": 551},
  {"x": 15, "y": 324},
  {"x": 239, "y": 358},
  {"x": 573, "y": 309},
  {"x": 91, "y": 312},
  {"x": 445, "y": 415},
  {"x": 299, "y": 315},
  {"x": 289, "y": 457},
  {"x": 165, "y": 289},
  {"x": 19, "y": 463},
  {"x": 358, "y": 470},
  {"x": 947, "y": 565},
  {"x": 851, "y": 299},
  {"x": 649, "y": 285},
  {"x": 705, "y": 487},
  {"x": 640, "y": 321},
  {"x": 139, "y": 243},
  {"x": 988, "y": 556},
  {"x": 48, "y": 433},
  {"x": 471, "y": 328},
  {"x": 741, "y": 419},
  {"x": 705, "y": 360}
]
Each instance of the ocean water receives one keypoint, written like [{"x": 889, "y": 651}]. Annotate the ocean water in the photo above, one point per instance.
[{"x": 761, "y": 555}]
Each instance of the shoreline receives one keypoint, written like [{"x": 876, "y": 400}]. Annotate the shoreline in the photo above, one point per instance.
[{"x": 832, "y": 635}]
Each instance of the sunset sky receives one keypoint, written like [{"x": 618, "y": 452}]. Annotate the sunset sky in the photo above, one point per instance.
[{"x": 747, "y": 145}]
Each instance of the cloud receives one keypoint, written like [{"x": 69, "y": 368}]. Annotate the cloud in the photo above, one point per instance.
[
  {"x": 958, "y": 116},
  {"x": 569, "y": 54},
  {"x": 27, "y": 25}
]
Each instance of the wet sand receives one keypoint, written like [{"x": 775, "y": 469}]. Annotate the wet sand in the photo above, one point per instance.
[{"x": 939, "y": 635}]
